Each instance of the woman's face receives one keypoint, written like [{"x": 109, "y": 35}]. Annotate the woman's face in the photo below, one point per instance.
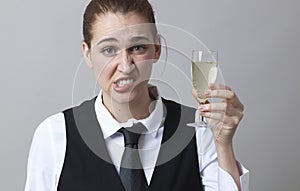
[{"x": 123, "y": 49}]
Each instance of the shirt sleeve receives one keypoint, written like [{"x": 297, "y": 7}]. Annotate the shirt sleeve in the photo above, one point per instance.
[
  {"x": 227, "y": 183},
  {"x": 215, "y": 178},
  {"x": 46, "y": 155}
]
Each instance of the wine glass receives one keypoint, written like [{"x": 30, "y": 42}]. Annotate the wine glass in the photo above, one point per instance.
[{"x": 204, "y": 71}]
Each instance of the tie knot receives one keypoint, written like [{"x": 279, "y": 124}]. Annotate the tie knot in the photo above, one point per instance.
[{"x": 132, "y": 134}]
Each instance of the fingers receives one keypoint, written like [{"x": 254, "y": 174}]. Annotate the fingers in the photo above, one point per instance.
[
  {"x": 229, "y": 111},
  {"x": 214, "y": 117},
  {"x": 221, "y": 107},
  {"x": 224, "y": 92},
  {"x": 218, "y": 86},
  {"x": 220, "y": 93}
]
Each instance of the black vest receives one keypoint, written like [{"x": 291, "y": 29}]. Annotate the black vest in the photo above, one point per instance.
[{"x": 83, "y": 170}]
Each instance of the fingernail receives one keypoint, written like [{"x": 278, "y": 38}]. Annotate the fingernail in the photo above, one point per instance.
[
  {"x": 207, "y": 93},
  {"x": 202, "y": 107},
  {"x": 210, "y": 85}
]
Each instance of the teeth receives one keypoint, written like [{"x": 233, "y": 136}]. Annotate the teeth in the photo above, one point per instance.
[{"x": 124, "y": 82}]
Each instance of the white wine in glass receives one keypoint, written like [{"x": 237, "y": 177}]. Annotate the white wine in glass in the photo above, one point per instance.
[{"x": 204, "y": 72}]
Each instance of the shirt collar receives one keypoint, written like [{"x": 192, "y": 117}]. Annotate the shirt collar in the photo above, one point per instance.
[{"x": 109, "y": 125}]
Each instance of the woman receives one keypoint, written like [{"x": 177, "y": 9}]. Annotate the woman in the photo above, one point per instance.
[{"x": 121, "y": 44}]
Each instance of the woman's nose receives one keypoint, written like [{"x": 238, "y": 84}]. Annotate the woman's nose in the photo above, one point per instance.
[{"x": 126, "y": 64}]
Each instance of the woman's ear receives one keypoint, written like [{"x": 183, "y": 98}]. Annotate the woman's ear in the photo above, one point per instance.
[
  {"x": 157, "y": 46},
  {"x": 86, "y": 54}
]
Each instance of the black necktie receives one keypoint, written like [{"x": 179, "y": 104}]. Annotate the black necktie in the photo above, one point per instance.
[{"x": 131, "y": 171}]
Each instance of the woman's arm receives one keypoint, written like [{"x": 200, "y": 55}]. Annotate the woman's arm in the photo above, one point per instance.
[{"x": 224, "y": 116}]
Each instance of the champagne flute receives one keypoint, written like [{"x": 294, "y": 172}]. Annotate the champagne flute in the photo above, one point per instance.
[{"x": 204, "y": 71}]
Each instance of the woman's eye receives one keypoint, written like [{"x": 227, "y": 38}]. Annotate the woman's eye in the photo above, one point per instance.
[
  {"x": 109, "y": 51},
  {"x": 138, "y": 49}
]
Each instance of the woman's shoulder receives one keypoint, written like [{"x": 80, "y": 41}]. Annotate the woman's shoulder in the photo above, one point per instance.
[
  {"x": 55, "y": 118},
  {"x": 55, "y": 125},
  {"x": 51, "y": 127}
]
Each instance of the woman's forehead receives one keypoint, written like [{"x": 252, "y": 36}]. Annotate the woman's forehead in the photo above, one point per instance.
[{"x": 120, "y": 26}]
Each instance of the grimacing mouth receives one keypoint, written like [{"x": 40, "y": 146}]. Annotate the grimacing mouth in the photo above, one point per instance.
[{"x": 123, "y": 81}]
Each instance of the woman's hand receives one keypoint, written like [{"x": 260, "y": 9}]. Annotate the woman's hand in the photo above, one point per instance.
[{"x": 223, "y": 116}]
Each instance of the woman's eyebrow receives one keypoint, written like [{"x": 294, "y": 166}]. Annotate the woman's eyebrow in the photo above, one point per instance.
[
  {"x": 133, "y": 39},
  {"x": 139, "y": 38},
  {"x": 109, "y": 39}
]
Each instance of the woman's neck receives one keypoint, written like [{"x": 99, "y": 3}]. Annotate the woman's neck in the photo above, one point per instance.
[{"x": 138, "y": 108}]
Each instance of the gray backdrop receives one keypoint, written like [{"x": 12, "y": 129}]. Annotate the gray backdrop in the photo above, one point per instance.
[{"x": 259, "y": 50}]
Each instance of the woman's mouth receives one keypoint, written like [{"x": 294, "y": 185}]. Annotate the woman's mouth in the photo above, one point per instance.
[{"x": 123, "y": 85}]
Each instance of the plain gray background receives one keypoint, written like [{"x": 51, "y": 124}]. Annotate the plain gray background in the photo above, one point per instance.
[{"x": 259, "y": 49}]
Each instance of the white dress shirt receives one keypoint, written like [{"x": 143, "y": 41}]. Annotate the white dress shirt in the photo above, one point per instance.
[{"x": 48, "y": 149}]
